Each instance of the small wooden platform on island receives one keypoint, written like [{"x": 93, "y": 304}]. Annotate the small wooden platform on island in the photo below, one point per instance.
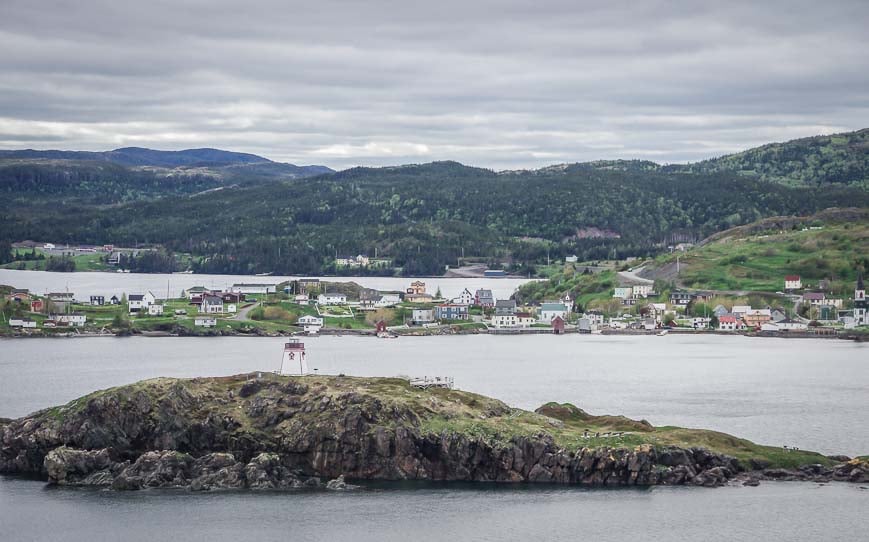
[{"x": 427, "y": 382}]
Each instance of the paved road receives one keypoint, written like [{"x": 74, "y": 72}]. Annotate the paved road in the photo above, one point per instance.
[
  {"x": 242, "y": 313},
  {"x": 631, "y": 276}
]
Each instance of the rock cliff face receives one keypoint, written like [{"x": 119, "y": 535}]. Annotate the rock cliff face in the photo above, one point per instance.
[{"x": 281, "y": 433}]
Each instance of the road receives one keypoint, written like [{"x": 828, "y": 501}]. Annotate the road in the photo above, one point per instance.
[
  {"x": 242, "y": 313},
  {"x": 631, "y": 276}
]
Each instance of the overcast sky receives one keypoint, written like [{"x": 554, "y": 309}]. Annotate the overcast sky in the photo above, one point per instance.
[{"x": 496, "y": 84}]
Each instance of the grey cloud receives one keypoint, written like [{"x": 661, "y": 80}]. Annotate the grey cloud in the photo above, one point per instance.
[{"x": 489, "y": 83}]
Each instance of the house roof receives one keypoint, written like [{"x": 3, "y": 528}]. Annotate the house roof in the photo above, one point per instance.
[
  {"x": 727, "y": 319},
  {"x": 814, "y": 295},
  {"x": 788, "y": 321},
  {"x": 553, "y": 307},
  {"x": 212, "y": 300},
  {"x": 335, "y": 294},
  {"x": 136, "y": 297},
  {"x": 792, "y": 277}
]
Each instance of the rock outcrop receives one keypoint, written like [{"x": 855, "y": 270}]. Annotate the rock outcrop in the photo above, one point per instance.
[{"x": 289, "y": 433}]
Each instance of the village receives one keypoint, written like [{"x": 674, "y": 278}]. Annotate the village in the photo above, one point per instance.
[{"x": 312, "y": 306}]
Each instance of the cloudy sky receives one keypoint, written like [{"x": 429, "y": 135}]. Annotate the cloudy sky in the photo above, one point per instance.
[{"x": 499, "y": 84}]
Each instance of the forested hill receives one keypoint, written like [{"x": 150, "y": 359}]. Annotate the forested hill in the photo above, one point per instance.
[
  {"x": 426, "y": 216},
  {"x": 129, "y": 174},
  {"x": 811, "y": 161}
]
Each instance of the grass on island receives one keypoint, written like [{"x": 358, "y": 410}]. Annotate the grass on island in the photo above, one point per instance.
[{"x": 438, "y": 411}]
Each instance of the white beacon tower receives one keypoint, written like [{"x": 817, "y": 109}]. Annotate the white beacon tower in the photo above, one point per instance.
[{"x": 293, "y": 361}]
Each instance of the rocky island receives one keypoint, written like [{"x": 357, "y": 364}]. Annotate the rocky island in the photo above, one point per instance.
[{"x": 263, "y": 431}]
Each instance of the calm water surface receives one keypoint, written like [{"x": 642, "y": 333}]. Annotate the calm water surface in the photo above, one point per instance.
[{"x": 774, "y": 511}]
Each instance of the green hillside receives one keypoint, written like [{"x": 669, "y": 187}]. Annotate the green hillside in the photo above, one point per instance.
[
  {"x": 833, "y": 247},
  {"x": 811, "y": 161}
]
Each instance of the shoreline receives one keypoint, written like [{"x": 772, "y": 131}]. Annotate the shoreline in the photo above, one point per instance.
[
  {"x": 445, "y": 331},
  {"x": 261, "y": 430}
]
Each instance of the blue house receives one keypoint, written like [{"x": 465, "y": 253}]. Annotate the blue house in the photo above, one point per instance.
[{"x": 451, "y": 311}]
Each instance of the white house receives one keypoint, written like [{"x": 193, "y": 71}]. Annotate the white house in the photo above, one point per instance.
[
  {"x": 793, "y": 282},
  {"x": 769, "y": 326},
  {"x": 388, "y": 300},
  {"x": 204, "y": 322},
  {"x": 465, "y": 298},
  {"x": 423, "y": 316},
  {"x": 594, "y": 318},
  {"x": 311, "y": 324},
  {"x": 623, "y": 292},
  {"x": 138, "y": 302},
  {"x": 791, "y": 325},
  {"x": 332, "y": 298},
  {"x": 641, "y": 290},
  {"x": 75, "y": 319},
  {"x": 244, "y": 288},
  {"x": 195, "y": 291},
  {"x": 211, "y": 304},
  {"x": 740, "y": 310},
  {"x": 231, "y": 308},
  {"x": 155, "y": 310},
  {"x": 700, "y": 322},
  {"x": 548, "y": 311},
  {"x": 301, "y": 299},
  {"x": 505, "y": 320},
  {"x": 571, "y": 259},
  {"x": 22, "y": 322}
]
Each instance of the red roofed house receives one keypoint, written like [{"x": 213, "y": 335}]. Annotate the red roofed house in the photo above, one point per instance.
[
  {"x": 793, "y": 282},
  {"x": 37, "y": 305},
  {"x": 728, "y": 322}
]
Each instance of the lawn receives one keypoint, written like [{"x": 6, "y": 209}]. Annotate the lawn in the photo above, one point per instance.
[{"x": 760, "y": 262}]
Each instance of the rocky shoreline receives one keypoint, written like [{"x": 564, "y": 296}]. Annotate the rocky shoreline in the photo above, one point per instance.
[{"x": 290, "y": 433}]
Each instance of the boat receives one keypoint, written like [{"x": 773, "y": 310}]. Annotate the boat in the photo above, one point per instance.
[
  {"x": 596, "y": 332},
  {"x": 264, "y": 274},
  {"x": 663, "y": 332},
  {"x": 188, "y": 272},
  {"x": 386, "y": 335}
]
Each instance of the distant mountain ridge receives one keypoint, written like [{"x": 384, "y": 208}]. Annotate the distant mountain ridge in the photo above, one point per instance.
[{"x": 140, "y": 156}]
